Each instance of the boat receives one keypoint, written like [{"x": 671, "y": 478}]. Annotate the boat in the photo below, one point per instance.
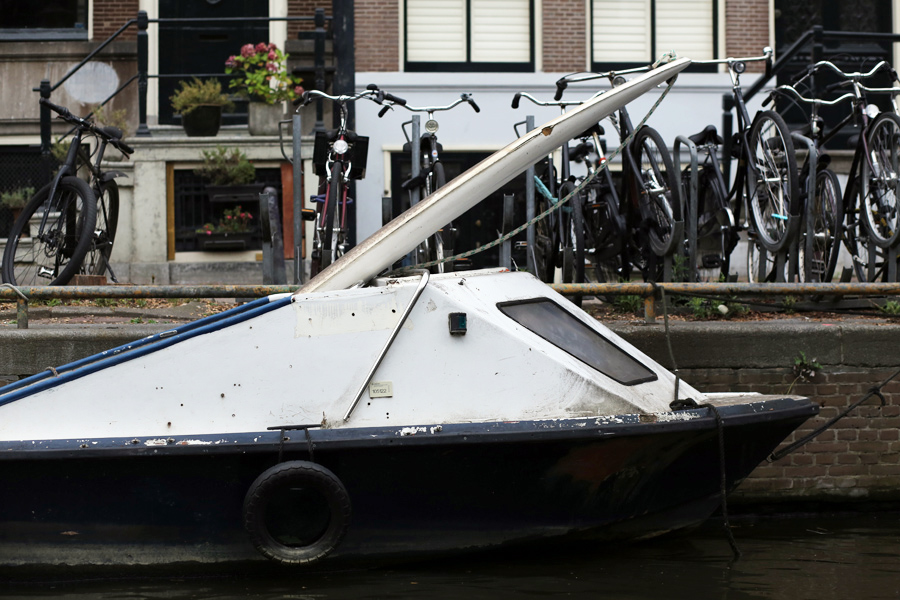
[{"x": 369, "y": 417}]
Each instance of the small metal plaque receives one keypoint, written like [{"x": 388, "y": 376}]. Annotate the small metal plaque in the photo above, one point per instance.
[{"x": 381, "y": 389}]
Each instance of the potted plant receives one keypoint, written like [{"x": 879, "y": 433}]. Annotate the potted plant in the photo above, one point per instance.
[
  {"x": 232, "y": 233},
  {"x": 200, "y": 104},
  {"x": 15, "y": 200},
  {"x": 260, "y": 73},
  {"x": 230, "y": 176}
]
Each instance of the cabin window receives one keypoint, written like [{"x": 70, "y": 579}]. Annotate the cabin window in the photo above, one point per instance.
[{"x": 562, "y": 329}]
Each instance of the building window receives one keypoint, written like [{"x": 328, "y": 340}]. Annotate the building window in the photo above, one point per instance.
[
  {"x": 45, "y": 20},
  {"x": 469, "y": 35},
  {"x": 637, "y": 32}
]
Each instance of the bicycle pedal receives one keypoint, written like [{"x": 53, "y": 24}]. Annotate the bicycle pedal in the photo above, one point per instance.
[{"x": 308, "y": 214}]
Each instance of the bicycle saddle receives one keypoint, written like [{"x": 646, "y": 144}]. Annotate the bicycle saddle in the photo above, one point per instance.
[
  {"x": 579, "y": 152},
  {"x": 709, "y": 135}
]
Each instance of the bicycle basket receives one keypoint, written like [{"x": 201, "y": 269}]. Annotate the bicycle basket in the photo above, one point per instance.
[{"x": 357, "y": 154}]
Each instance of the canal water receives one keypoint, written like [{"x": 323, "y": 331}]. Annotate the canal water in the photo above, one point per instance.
[{"x": 796, "y": 558}]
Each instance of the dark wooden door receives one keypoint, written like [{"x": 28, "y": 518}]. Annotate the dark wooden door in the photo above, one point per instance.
[{"x": 203, "y": 47}]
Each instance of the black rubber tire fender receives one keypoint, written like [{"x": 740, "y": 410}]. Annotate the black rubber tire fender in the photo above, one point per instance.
[{"x": 297, "y": 472}]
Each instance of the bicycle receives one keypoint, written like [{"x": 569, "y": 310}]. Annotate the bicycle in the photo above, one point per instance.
[
  {"x": 871, "y": 211},
  {"x": 430, "y": 177},
  {"x": 339, "y": 155},
  {"x": 650, "y": 201},
  {"x": 560, "y": 237},
  {"x": 821, "y": 237},
  {"x": 766, "y": 182},
  {"x": 69, "y": 226}
]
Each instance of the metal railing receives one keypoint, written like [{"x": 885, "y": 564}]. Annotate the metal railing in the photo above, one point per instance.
[
  {"x": 652, "y": 293},
  {"x": 142, "y": 22}
]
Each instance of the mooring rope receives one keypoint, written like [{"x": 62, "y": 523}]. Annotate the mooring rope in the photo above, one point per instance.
[{"x": 873, "y": 391}]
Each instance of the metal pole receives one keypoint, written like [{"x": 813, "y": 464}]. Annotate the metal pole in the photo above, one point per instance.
[
  {"x": 45, "y": 118},
  {"x": 297, "y": 164},
  {"x": 143, "y": 66},
  {"x": 530, "y": 209}
]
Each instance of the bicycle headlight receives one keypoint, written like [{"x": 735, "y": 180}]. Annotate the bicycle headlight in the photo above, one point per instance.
[
  {"x": 872, "y": 110},
  {"x": 340, "y": 146},
  {"x": 739, "y": 66},
  {"x": 431, "y": 126}
]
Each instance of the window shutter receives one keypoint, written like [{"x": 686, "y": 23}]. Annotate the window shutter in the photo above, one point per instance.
[
  {"x": 685, "y": 26},
  {"x": 436, "y": 31},
  {"x": 621, "y": 31},
  {"x": 501, "y": 31}
]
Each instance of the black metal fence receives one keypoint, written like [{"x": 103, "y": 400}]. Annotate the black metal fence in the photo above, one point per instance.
[{"x": 22, "y": 167}]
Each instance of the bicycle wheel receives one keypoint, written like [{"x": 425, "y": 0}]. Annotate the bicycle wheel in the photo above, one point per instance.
[
  {"x": 880, "y": 180},
  {"x": 441, "y": 246},
  {"x": 772, "y": 180},
  {"x": 604, "y": 234},
  {"x": 658, "y": 201},
  {"x": 330, "y": 234},
  {"x": 827, "y": 216},
  {"x": 868, "y": 260},
  {"x": 716, "y": 229},
  {"x": 757, "y": 273},
  {"x": 96, "y": 261},
  {"x": 546, "y": 242},
  {"x": 51, "y": 254}
]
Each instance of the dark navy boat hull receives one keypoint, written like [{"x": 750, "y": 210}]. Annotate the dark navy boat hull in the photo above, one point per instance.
[{"x": 413, "y": 490}]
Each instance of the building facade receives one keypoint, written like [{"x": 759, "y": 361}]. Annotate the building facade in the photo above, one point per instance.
[{"x": 424, "y": 51}]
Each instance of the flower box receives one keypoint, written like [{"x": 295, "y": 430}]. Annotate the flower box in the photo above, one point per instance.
[{"x": 224, "y": 241}]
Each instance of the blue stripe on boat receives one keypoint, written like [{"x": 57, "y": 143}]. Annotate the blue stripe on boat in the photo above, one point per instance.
[{"x": 79, "y": 368}]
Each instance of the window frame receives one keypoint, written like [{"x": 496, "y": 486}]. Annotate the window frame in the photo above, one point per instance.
[
  {"x": 9, "y": 34},
  {"x": 578, "y": 323},
  {"x": 603, "y": 66},
  {"x": 468, "y": 66}
]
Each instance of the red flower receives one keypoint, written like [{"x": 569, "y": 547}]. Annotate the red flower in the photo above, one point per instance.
[
  {"x": 230, "y": 62},
  {"x": 247, "y": 50},
  {"x": 272, "y": 55},
  {"x": 272, "y": 46},
  {"x": 261, "y": 47},
  {"x": 299, "y": 90}
]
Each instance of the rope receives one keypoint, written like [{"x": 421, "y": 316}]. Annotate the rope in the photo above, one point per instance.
[
  {"x": 722, "y": 480},
  {"x": 563, "y": 201},
  {"x": 873, "y": 391}
]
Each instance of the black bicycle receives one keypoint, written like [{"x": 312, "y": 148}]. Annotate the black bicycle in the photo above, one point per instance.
[
  {"x": 871, "y": 200},
  {"x": 766, "y": 185},
  {"x": 649, "y": 198},
  {"x": 429, "y": 175},
  {"x": 339, "y": 155},
  {"x": 70, "y": 225}
]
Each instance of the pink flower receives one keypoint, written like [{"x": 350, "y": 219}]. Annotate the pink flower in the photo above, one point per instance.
[
  {"x": 228, "y": 217},
  {"x": 208, "y": 232},
  {"x": 247, "y": 50},
  {"x": 261, "y": 47},
  {"x": 272, "y": 55},
  {"x": 272, "y": 68},
  {"x": 272, "y": 46},
  {"x": 299, "y": 90},
  {"x": 230, "y": 62}
]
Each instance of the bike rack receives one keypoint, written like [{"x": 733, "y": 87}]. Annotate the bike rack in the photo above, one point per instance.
[
  {"x": 692, "y": 207},
  {"x": 808, "y": 230}
]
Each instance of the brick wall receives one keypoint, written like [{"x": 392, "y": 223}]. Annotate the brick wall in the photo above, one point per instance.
[
  {"x": 304, "y": 8},
  {"x": 110, "y": 15},
  {"x": 747, "y": 29},
  {"x": 377, "y": 35},
  {"x": 564, "y": 33},
  {"x": 857, "y": 459}
]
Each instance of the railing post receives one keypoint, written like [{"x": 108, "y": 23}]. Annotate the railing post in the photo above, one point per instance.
[
  {"x": 319, "y": 63},
  {"x": 727, "y": 133},
  {"x": 45, "y": 117},
  {"x": 21, "y": 313},
  {"x": 143, "y": 51}
]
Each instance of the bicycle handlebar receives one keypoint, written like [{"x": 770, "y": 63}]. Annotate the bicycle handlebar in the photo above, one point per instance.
[
  {"x": 560, "y": 103},
  {"x": 563, "y": 82},
  {"x": 465, "y": 97},
  {"x": 802, "y": 98},
  {"x": 111, "y": 134},
  {"x": 371, "y": 93}
]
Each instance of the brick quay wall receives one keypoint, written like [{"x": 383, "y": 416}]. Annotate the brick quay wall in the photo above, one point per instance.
[{"x": 855, "y": 462}]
